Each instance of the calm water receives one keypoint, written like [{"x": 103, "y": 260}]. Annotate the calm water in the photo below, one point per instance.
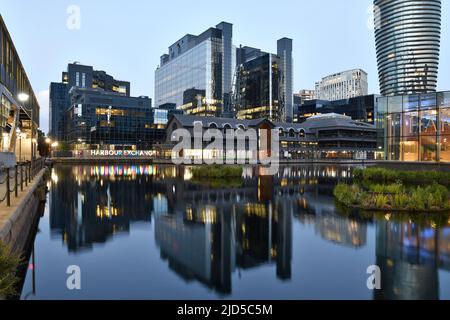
[{"x": 150, "y": 232}]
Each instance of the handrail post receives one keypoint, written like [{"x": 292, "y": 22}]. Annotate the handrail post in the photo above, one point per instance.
[
  {"x": 21, "y": 177},
  {"x": 26, "y": 175},
  {"x": 16, "y": 191},
  {"x": 29, "y": 174},
  {"x": 8, "y": 195}
]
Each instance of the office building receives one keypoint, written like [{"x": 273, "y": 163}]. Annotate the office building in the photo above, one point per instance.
[
  {"x": 103, "y": 120},
  {"x": 195, "y": 103},
  {"x": 204, "y": 62},
  {"x": 329, "y": 136},
  {"x": 19, "y": 120},
  {"x": 80, "y": 76},
  {"x": 362, "y": 109},
  {"x": 342, "y": 85},
  {"x": 305, "y": 95},
  {"x": 163, "y": 113},
  {"x": 414, "y": 127},
  {"x": 264, "y": 83},
  {"x": 407, "y": 37}
]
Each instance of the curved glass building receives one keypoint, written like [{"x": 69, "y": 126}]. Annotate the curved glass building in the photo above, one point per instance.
[{"x": 407, "y": 36}]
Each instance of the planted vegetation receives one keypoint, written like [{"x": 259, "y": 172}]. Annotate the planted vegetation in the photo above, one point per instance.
[
  {"x": 218, "y": 176},
  {"x": 385, "y": 176},
  {"x": 383, "y": 189},
  {"x": 217, "y": 172},
  {"x": 8, "y": 267}
]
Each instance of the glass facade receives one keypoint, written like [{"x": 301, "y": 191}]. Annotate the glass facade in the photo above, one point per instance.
[
  {"x": 408, "y": 43},
  {"x": 260, "y": 84},
  {"x": 97, "y": 120},
  {"x": 415, "y": 127},
  {"x": 201, "y": 62},
  {"x": 13, "y": 76}
]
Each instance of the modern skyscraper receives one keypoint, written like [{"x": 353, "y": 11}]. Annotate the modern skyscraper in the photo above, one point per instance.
[
  {"x": 264, "y": 83},
  {"x": 80, "y": 76},
  {"x": 284, "y": 51},
  {"x": 342, "y": 85},
  {"x": 203, "y": 62},
  {"x": 407, "y": 37}
]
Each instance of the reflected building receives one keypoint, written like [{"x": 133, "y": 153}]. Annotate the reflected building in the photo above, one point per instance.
[
  {"x": 99, "y": 202},
  {"x": 410, "y": 257},
  {"x": 219, "y": 232}
]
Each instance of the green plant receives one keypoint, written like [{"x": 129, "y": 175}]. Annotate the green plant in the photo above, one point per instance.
[
  {"x": 400, "y": 201},
  {"x": 217, "y": 172},
  {"x": 383, "y": 175},
  {"x": 381, "y": 201},
  {"x": 8, "y": 267},
  {"x": 391, "y": 188},
  {"x": 347, "y": 194}
]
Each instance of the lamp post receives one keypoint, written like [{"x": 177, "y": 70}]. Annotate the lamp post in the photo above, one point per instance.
[{"x": 23, "y": 97}]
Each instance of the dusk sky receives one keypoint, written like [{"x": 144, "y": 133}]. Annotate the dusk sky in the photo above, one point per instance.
[{"x": 126, "y": 38}]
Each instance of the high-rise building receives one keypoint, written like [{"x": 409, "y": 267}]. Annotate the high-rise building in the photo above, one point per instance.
[
  {"x": 306, "y": 95},
  {"x": 342, "y": 85},
  {"x": 19, "y": 108},
  {"x": 407, "y": 37},
  {"x": 264, "y": 83},
  {"x": 203, "y": 62},
  {"x": 284, "y": 51},
  {"x": 99, "y": 119},
  {"x": 80, "y": 76}
]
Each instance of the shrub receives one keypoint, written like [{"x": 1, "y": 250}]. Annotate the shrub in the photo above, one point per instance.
[
  {"x": 382, "y": 175},
  {"x": 8, "y": 267},
  {"x": 388, "y": 189},
  {"x": 381, "y": 201},
  {"x": 217, "y": 172},
  {"x": 400, "y": 201},
  {"x": 347, "y": 194},
  {"x": 417, "y": 200}
]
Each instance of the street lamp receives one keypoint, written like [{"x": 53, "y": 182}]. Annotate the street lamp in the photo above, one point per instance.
[{"x": 24, "y": 97}]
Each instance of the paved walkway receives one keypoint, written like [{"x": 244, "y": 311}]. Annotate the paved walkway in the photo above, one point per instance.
[{"x": 5, "y": 211}]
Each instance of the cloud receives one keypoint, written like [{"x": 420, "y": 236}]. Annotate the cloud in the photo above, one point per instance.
[{"x": 44, "y": 98}]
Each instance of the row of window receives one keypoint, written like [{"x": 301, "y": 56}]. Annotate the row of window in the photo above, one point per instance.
[{"x": 13, "y": 75}]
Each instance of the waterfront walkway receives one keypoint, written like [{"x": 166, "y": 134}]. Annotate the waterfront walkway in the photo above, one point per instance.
[{"x": 14, "y": 209}]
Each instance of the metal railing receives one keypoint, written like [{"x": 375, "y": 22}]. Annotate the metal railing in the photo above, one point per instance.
[{"x": 15, "y": 178}]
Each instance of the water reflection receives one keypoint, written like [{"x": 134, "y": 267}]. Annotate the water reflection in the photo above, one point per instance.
[
  {"x": 410, "y": 256},
  {"x": 212, "y": 235}
]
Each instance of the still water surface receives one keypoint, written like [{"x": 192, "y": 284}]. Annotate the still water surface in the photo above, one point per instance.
[{"x": 150, "y": 232}]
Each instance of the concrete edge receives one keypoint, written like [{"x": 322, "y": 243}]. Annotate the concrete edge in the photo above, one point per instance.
[{"x": 5, "y": 231}]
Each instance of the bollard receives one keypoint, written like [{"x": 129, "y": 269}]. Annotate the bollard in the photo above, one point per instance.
[
  {"x": 16, "y": 191},
  {"x": 29, "y": 172},
  {"x": 8, "y": 195}
]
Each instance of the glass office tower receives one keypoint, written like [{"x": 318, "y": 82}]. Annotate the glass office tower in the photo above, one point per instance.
[
  {"x": 415, "y": 127},
  {"x": 201, "y": 62},
  {"x": 407, "y": 36}
]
